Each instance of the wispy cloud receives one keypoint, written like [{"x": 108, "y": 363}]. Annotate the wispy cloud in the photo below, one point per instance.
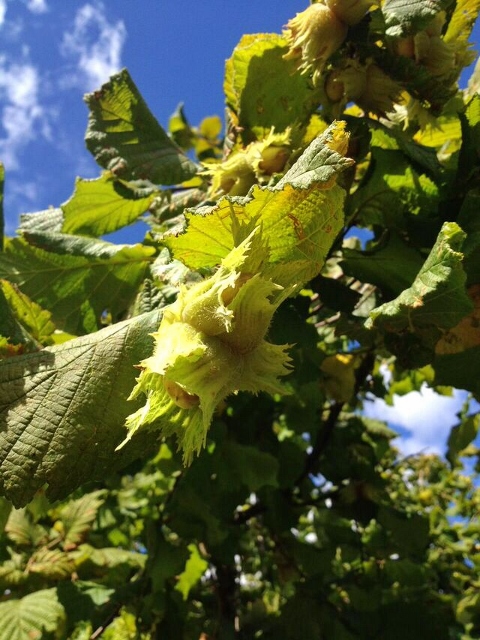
[
  {"x": 424, "y": 418},
  {"x": 3, "y": 11},
  {"x": 37, "y": 6},
  {"x": 22, "y": 118},
  {"x": 95, "y": 44}
]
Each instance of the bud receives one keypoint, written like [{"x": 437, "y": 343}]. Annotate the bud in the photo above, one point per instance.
[
  {"x": 313, "y": 36},
  {"x": 245, "y": 167},
  {"x": 434, "y": 54},
  {"x": 346, "y": 84},
  {"x": 351, "y": 11},
  {"x": 381, "y": 91},
  {"x": 211, "y": 343},
  {"x": 269, "y": 156},
  {"x": 234, "y": 176}
]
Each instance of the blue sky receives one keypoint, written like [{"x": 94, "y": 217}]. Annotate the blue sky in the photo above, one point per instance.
[{"x": 54, "y": 51}]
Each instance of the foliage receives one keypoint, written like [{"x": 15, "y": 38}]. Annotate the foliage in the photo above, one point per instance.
[{"x": 320, "y": 254}]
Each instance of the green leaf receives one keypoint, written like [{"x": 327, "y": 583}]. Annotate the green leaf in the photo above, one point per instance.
[
  {"x": 253, "y": 92},
  {"x": 15, "y": 334},
  {"x": 194, "y": 570},
  {"x": 49, "y": 220},
  {"x": 461, "y": 436},
  {"x": 410, "y": 533},
  {"x": 407, "y": 16},
  {"x": 300, "y": 217},
  {"x": 37, "y": 321},
  {"x": 390, "y": 189},
  {"x": 83, "y": 600},
  {"x": 32, "y": 617},
  {"x": 248, "y": 466},
  {"x": 2, "y": 220},
  {"x": 470, "y": 149},
  {"x": 77, "y": 517},
  {"x": 101, "y": 206},
  {"x": 51, "y": 564},
  {"x": 23, "y": 531},
  {"x": 5, "y": 509},
  {"x": 125, "y": 137},
  {"x": 460, "y": 370},
  {"x": 392, "y": 267},
  {"x": 76, "y": 278},
  {"x": 62, "y": 410},
  {"x": 437, "y": 299}
]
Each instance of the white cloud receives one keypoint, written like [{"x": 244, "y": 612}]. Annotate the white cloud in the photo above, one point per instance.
[
  {"x": 425, "y": 417},
  {"x": 96, "y": 45},
  {"x": 37, "y": 6},
  {"x": 22, "y": 117},
  {"x": 3, "y": 11}
]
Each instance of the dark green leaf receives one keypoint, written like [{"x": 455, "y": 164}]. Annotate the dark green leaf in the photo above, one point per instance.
[
  {"x": 407, "y": 16},
  {"x": 62, "y": 410},
  {"x": 392, "y": 265},
  {"x": 461, "y": 436},
  {"x": 437, "y": 298}
]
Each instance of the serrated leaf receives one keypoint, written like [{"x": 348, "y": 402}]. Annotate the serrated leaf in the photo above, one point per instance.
[
  {"x": 51, "y": 564},
  {"x": 22, "y": 530},
  {"x": 62, "y": 410},
  {"x": 47, "y": 221},
  {"x": 437, "y": 299},
  {"x": 77, "y": 517},
  {"x": 253, "y": 92},
  {"x": 194, "y": 570},
  {"x": 32, "y": 616},
  {"x": 76, "y": 278},
  {"x": 300, "y": 217},
  {"x": 37, "y": 321},
  {"x": 104, "y": 205},
  {"x": 407, "y": 16},
  {"x": 125, "y": 137},
  {"x": 15, "y": 338}
]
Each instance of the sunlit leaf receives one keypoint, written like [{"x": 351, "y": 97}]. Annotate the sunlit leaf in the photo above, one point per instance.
[
  {"x": 77, "y": 517},
  {"x": 52, "y": 564},
  {"x": 75, "y": 278},
  {"x": 125, "y": 137},
  {"x": 32, "y": 616},
  {"x": 37, "y": 321},
  {"x": 101, "y": 206},
  {"x": 299, "y": 217},
  {"x": 252, "y": 89},
  {"x": 194, "y": 570}
]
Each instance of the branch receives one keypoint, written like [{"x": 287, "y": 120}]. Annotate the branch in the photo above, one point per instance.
[{"x": 321, "y": 442}]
